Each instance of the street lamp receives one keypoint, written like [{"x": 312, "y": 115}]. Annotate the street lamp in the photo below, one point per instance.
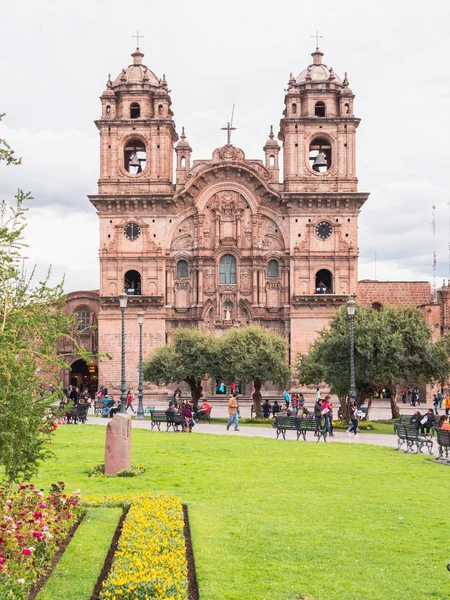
[
  {"x": 140, "y": 411},
  {"x": 123, "y": 299},
  {"x": 351, "y": 309}
]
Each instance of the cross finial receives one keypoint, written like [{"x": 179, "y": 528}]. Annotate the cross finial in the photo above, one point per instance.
[
  {"x": 317, "y": 36},
  {"x": 229, "y": 128},
  {"x": 137, "y": 36}
]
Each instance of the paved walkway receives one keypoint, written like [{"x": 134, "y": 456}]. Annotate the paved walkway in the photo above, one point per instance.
[{"x": 378, "y": 439}]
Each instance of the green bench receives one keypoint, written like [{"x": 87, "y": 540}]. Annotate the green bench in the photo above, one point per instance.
[
  {"x": 410, "y": 436},
  {"x": 443, "y": 442},
  {"x": 300, "y": 425},
  {"x": 174, "y": 420}
]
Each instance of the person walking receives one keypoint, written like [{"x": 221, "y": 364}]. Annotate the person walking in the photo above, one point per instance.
[
  {"x": 233, "y": 412},
  {"x": 435, "y": 404},
  {"x": 440, "y": 398},
  {"x": 318, "y": 415},
  {"x": 287, "y": 399},
  {"x": 326, "y": 410},
  {"x": 446, "y": 403},
  {"x": 129, "y": 402},
  {"x": 403, "y": 392},
  {"x": 353, "y": 418}
]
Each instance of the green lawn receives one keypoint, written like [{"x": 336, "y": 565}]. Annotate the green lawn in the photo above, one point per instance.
[
  {"x": 78, "y": 569},
  {"x": 287, "y": 520}
]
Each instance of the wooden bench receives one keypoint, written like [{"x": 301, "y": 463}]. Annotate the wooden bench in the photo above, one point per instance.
[
  {"x": 410, "y": 436},
  {"x": 161, "y": 416},
  {"x": 300, "y": 425},
  {"x": 443, "y": 442}
]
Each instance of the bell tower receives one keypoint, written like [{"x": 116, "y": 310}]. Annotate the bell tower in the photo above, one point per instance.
[
  {"x": 137, "y": 132},
  {"x": 320, "y": 191},
  {"x": 318, "y": 131}
]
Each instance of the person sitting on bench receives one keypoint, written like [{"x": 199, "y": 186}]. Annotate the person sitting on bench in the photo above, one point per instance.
[{"x": 427, "y": 421}]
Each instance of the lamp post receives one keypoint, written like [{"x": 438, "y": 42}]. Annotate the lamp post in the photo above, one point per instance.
[
  {"x": 123, "y": 299},
  {"x": 351, "y": 308},
  {"x": 140, "y": 411}
]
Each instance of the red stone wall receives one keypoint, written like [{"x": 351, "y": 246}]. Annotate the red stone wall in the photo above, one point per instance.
[{"x": 398, "y": 293}]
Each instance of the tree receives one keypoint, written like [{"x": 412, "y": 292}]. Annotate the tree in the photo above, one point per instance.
[
  {"x": 257, "y": 355},
  {"x": 191, "y": 358},
  {"x": 391, "y": 344},
  {"x": 32, "y": 323}
]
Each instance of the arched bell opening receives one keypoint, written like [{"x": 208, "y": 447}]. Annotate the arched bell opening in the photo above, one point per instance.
[
  {"x": 319, "y": 109},
  {"x": 135, "y": 110},
  {"x": 135, "y": 156},
  {"x": 324, "y": 282},
  {"x": 320, "y": 156},
  {"x": 132, "y": 283}
]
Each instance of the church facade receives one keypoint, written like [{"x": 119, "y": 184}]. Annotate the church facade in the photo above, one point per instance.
[{"x": 225, "y": 241}]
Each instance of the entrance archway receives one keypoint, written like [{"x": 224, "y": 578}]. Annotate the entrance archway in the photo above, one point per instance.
[{"x": 84, "y": 376}]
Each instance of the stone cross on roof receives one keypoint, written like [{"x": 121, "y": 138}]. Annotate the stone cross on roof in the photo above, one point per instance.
[
  {"x": 229, "y": 128},
  {"x": 317, "y": 36},
  {"x": 137, "y": 36}
]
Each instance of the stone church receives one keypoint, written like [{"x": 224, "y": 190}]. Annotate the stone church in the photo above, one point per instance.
[{"x": 224, "y": 241}]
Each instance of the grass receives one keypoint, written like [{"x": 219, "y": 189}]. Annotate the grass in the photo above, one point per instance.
[
  {"x": 284, "y": 519},
  {"x": 76, "y": 573}
]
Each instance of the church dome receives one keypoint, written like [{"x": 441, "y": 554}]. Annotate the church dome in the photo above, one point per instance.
[
  {"x": 137, "y": 73},
  {"x": 317, "y": 72}
]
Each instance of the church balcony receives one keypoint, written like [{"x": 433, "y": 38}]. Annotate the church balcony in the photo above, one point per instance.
[
  {"x": 134, "y": 301},
  {"x": 320, "y": 299}
]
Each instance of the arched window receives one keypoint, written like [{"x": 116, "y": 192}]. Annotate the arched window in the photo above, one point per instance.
[
  {"x": 108, "y": 109},
  {"x": 161, "y": 110},
  {"x": 84, "y": 318},
  {"x": 132, "y": 283},
  {"x": 324, "y": 282},
  {"x": 319, "y": 109},
  {"x": 135, "y": 110},
  {"x": 272, "y": 268},
  {"x": 320, "y": 157},
  {"x": 347, "y": 108},
  {"x": 294, "y": 109},
  {"x": 182, "y": 268},
  {"x": 135, "y": 156},
  {"x": 183, "y": 162},
  {"x": 271, "y": 160},
  {"x": 227, "y": 269}
]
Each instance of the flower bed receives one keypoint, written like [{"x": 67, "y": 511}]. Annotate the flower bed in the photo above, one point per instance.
[
  {"x": 150, "y": 561},
  {"x": 99, "y": 471},
  {"x": 32, "y": 526}
]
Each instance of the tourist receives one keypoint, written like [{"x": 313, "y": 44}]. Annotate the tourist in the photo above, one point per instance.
[
  {"x": 266, "y": 408},
  {"x": 427, "y": 421},
  {"x": 294, "y": 404},
  {"x": 129, "y": 402},
  {"x": 203, "y": 411},
  {"x": 171, "y": 412},
  {"x": 330, "y": 418},
  {"x": 443, "y": 422},
  {"x": 416, "y": 418},
  {"x": 318, "y": 414},
  {"x": 403, "y": 393},
  {"x": 435, "y": 404},
  {"x": 73, "y": 394},
  {"x": 326, "y": 404},
  {"x": 446, "y": 403},
  {"x": 440, "y": 397},
  {"x": 187, "y": 412},
  {"x": 276, "y": 408},
  {"x": 353, "y": 418},
  {"x": 287, "y": 398},
  {"x": 317, "y": 394},
  {"x": 233, "y": 412}
]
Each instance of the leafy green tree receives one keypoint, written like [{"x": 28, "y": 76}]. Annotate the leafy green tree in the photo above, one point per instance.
[
  {"x": 191, "y": 358},
  {"x": 390, "y": 345},
  {"x": 32, "y": 323},
  {"x": 257, "y": 355}
]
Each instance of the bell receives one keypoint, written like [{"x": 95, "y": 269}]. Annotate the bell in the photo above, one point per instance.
[
  {"x": 134, "y": 161},
  {"x": 320, "y": 161}
]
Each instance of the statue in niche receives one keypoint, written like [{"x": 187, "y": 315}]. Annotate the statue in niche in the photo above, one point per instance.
[{"x": 227, "y": 314}]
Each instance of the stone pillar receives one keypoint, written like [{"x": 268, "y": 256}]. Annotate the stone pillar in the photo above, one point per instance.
[
  {"x": 200, "y": 283},
  {"x": 118, "y": 444},
  {"x": 255, "y": 285}
]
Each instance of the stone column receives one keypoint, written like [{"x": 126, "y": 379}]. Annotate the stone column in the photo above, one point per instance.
[
  {"x": 255, "y": 285},
  {"x": 200, "y": 283}
]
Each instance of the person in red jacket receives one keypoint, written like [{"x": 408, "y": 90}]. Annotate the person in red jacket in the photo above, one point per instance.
[{"x": 129, "y": 402}]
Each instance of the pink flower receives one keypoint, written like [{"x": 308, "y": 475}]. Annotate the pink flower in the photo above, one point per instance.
[
  {"x": 27, "y": 551},
  {"x": 69, "y": 516},
  {"x": 21, "y": 580},
  {"x": 41, "y": 505}
]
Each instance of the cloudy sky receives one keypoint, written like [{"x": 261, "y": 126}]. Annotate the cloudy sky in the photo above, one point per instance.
[{"x": 55, "y": 57}]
